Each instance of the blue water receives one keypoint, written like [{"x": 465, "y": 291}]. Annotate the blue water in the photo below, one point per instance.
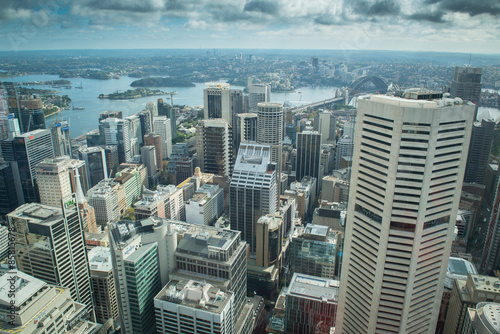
[{"x": 83, "y": 121}]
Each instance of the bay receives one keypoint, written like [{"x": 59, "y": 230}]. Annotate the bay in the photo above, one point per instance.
[{"x": 83, "y": 121}]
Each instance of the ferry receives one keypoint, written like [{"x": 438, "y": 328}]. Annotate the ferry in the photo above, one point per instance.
[{"x": 78, "y": 108}]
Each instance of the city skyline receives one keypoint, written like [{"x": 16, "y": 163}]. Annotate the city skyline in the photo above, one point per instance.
[{"x": 424, "y": 25}]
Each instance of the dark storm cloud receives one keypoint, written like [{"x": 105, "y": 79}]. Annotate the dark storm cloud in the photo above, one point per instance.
[
  {"x": 436, "y": 17},
  {"x": 472, "y": 8},
  {"x": 262, "y": 6},
  {"x": 125, "y": 5},
  {"x": 375, "y": 8}
]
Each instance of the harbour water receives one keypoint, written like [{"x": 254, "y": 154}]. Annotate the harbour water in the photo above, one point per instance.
[{"x": 83, "y": 121}]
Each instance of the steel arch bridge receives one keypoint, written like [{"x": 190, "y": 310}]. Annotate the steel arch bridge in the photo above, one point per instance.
[{"x": 356, "y": 86}]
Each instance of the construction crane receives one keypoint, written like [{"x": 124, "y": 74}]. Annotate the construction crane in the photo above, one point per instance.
[{"x": 171, "y": 97}]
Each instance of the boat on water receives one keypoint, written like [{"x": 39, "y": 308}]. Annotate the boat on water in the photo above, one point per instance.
[
  {"x": 78, "y": 108},
  {"x": 116, "y": 76}
]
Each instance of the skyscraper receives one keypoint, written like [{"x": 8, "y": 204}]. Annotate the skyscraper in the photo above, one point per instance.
[
  {"x": 308, "y": 154},
  {"x": 95, "y": 162},
  {"x": 404, "y": 196},
  {"x": 49, "y": 245},
  {"x": 8, "y": 197},
  {"x": 161, "y": 126},
  {"x": 153, "y": 139},
  {"x": 246, "y": 128},
  {"x": 115, "y": 131},
  {"x": 61, "y": 138},
  {"x": 258, "y": 93},
  {"x": 253, "y": 190},
  {"x": 466, "y": 84},
  {"x": 169, "y": 111},
  {"x": 222, "y": 102},
  {"x": 56, "y": 179},
  {"x": 479, "y": 151},
  {"x": 325, "y": 123},
  {"x": 29, "y": 149},
  {"x": 214, "y": 146},
  {"x": 30, "y": 110},
  {"x": 270, "y": 126}
]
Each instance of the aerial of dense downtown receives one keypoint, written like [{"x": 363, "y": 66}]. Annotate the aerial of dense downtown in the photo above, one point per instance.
[{"x": 249, "y": 166}]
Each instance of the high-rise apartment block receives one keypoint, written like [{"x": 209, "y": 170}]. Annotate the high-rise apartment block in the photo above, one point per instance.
[
  {"x": 258, "y": 93},
  {"x": 214, "y": 146},
  {"x": 411, "y": 154},
  {"x": 50, "y": 246},
  {"x": 253, "y": 190}
]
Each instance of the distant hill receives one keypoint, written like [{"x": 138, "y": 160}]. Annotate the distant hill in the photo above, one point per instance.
[{"x": 162, "y": 82}]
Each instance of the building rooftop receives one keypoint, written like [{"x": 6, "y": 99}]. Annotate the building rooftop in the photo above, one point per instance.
[
  {"x": 205, "y": 242},
  {"x": 314, "y": 288},
  {"x": 489, "y": 316},
  {"x": 24, "y": 287},
  {"x": 199, "y": 295},
  {"x": 485, "y": 283},
  {"x": 38, "y": 213},
  {"x": 458, "y": 268},
  {"x": 100, "y": 259},
  {"x": 253, "y": 158}
]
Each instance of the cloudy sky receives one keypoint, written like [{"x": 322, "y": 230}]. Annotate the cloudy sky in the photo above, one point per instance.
[{"x": 427, "y": 25}]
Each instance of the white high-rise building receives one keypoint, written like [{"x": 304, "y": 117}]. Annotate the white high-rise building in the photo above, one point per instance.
[
  {"x": 258, "y": 93},
  {"x": 270, "y": 126},
  {"x": 161, "y": 126},
  {"x": 405, "y": 190}
]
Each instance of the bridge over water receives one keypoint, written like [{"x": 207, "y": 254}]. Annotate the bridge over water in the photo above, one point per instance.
[{"x": 356, "y": 88}]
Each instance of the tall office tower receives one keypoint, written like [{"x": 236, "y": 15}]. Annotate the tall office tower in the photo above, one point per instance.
[
  {"x": 135, "y": 136},
  {"x": 49, "y": 245},
  {"x": 269, "y": 235},
  {"x": 466, "y": 83},
  {"x": 112, "y": 160},
  {"x": 110, "y": 114},
  {"x": 220, "y": 257},
  {"x": 142, "y": 254},
  {"x": 105, "y": 200},
  {"x": 95, "y": 162},
  {"x": 270, "y": 127},
  {"x": 30, "y": 111},
  {"x": 56, "y": 179},
  {"x": 161, "y": 126},
  {"x": 148, "y": 158},
  {"x": 29, "y": 149},
  {"x": 344, "y": 149},
  {"x": 245, "y": 129},
  {"x": 311, "y": 304},
  {"x": 9, "y": 126},
  {"x": 184, "y": 168},
  {"x": 222, "y": 102},
  {"x": 153, "y": 139},
  {"x": 61, "y": 138},
  {"x": 253, "y": 190},
  {"x": 4, "y": 242},
  {"x": 479, "y": 151},
  {"x": 8, "y": 197},
  {"x": 164, "y": 109},
  {"x": 179, "y": 151},
  {"x": 39, "y": 307},
  {"x": 404, "y": 196},
  {"x": 114, "y": 131},
  {"x": 491, "y": 257},
  {"x": 103, "y": 284},
  {"x": 146, "y": 119},
  {"x": 214, "y": 146},
  {"x": 190, "y": 306},
  {"x": 326, "y": 124},
  {"x": 133, "y": 177},
  {"x": 258, "y": 93},
  {"x": 313, "y": 251},
  {"x": 308, "y": 155}
]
